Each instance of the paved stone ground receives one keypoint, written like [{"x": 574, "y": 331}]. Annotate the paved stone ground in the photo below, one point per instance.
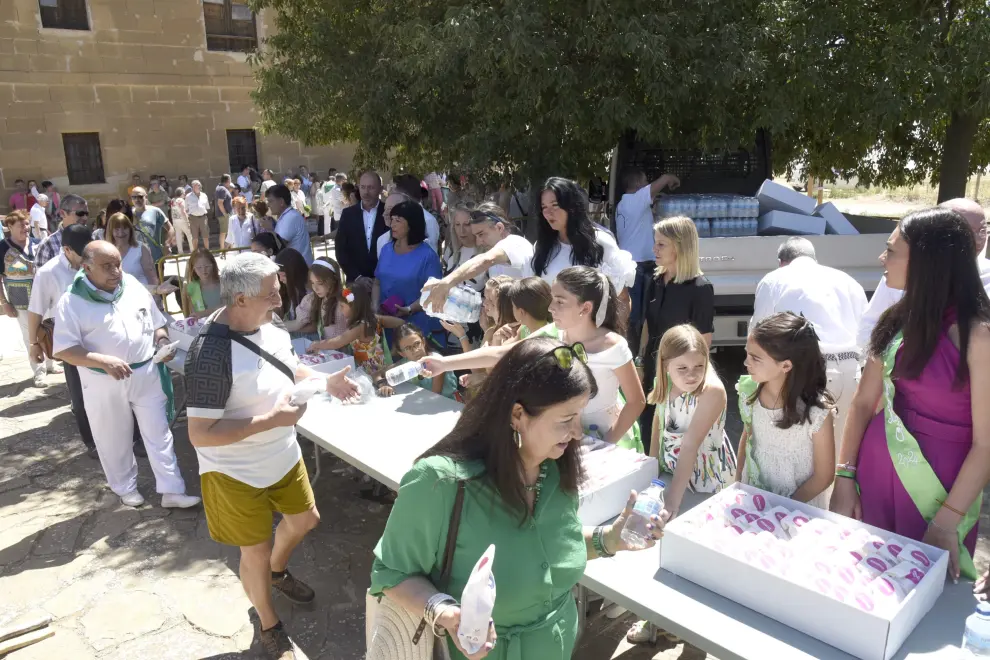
[{"x": 149, "y": 583}]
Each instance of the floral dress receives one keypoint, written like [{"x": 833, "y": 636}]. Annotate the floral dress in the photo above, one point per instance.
[
  {"x": 369, "y": 354},
  {"x": 716, "y": 464}
]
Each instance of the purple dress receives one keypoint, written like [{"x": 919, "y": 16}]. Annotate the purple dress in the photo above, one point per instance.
[{"x": 939, "y": 416}]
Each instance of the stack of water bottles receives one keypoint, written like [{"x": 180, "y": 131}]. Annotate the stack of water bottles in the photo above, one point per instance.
[
  {"x": 713, "y": 215},
  {"x": 463, "y": 304}
]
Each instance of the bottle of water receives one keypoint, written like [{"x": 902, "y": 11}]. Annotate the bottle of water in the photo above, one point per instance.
[
  {"x": 976, "y": 638},
  {"x": 403, "y": 372},
  {"x": 648, "y": 503}
]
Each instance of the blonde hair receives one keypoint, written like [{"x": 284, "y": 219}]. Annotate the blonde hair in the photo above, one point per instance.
[
  {"x": 684, "y": 234},
  {"x": 678, "y": 341}
]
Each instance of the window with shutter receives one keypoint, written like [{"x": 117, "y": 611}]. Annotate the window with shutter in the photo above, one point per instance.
[
  {"x": 230, "y": 26},
  {"x": 64, "y": 14},
  {"x": 83, "y": 158}
]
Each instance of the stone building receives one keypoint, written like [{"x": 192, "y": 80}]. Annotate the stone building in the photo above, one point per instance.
[{"x": 94, "y": 91}]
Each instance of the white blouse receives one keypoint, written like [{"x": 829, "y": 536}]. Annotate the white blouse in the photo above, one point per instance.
[{"x": 617, "y": 265}]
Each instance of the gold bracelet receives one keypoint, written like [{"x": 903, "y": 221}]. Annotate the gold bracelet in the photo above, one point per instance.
[{"x": 951, "y": 508}]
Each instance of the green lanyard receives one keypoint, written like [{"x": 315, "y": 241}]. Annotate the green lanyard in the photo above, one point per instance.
[{"x": 914, "y": 471}]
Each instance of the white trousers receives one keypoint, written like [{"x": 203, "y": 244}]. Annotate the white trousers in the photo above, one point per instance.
[
  {"x": 843, "y": 379},
  {"x": 37, "y": 367},
  {"x": 109, "y": 404},
  {"x": 182, "y": 230}
]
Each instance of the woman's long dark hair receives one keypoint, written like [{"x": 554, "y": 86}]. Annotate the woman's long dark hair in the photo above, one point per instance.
[
  {"x": 362, "y": 311},
  {"x": 585, "y": 250},
  {"x": 270, "y": 241},
  {"x": 942, "y": 275},
  {"x": 296, "y": 272},
  {"x": 530, "y": 376},
  {"x": 587, "y": 285},
  {"x": 330, "y": 277},
  {"x": 786, "y": 336},
  {"x": 118, "y": 206}
]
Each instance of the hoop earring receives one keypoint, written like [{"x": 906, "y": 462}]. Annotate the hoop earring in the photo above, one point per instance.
[{"x": 517, "y": 438}]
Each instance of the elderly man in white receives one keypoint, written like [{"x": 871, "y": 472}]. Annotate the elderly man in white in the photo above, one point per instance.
[
  {"x": 885, "y": 297},
  {"x": 833, "y": 302},
  {"x": 109, "y": 326},
  {"x": 39, "y": 217},
  {"x": 241, "y": 372}
]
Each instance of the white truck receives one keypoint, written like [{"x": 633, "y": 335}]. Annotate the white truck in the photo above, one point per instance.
[{"x": 736, "y": 265}]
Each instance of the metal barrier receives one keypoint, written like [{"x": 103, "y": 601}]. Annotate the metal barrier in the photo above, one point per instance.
[
  {"x": 180, "y": 261},
  {"x": 322, "y": 247}
]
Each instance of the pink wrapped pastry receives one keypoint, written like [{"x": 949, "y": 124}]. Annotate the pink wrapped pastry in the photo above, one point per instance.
[
  {"x": 754, "y": 502},
  {"x": 771, "y": 526},
  {"x": 905, "y": 576},
  {"x": 777, "y": 514},
  {"x": 872, "y": 566},
  {"x": 792, "y": 523},
  {"x": 916, "y": 556},
  {"x": 890, "y": 551},
  {"x": 864, "y": 601}
]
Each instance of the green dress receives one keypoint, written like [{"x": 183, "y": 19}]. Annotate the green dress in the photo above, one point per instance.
[{"x": 536, "y": 564}]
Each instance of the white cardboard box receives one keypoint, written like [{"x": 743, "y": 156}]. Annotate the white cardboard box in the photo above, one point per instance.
[
  {"x": 867, "y": 636},
  {"x": 777, "y": 197},
  {"x": 180, "y": 331},
  {"x": 334, "y": 363},
  {"x": 603, "y": 502},
  {"x": 782, "y": 222},
  {"x": 835, "y": 222}
]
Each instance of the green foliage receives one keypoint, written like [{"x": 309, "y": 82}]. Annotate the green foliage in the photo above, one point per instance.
[{"x": 517, "y": 89}]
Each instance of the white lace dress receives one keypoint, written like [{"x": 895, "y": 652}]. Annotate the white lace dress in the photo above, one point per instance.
[{"x": 785, "y": 457}]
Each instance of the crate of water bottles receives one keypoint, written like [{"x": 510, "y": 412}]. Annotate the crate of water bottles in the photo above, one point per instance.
[
  {"x": 713, "y": 215},
  {"x": 463, "y": 304}
]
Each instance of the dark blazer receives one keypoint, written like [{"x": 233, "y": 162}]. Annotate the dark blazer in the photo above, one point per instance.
[{"x": 351, "y": 247}]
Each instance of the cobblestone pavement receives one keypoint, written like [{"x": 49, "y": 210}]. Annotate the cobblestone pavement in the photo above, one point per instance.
[{"x": 126, "y": 583}]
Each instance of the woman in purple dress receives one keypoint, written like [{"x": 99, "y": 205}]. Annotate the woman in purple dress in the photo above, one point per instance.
[{"x": 921, "y": 462}]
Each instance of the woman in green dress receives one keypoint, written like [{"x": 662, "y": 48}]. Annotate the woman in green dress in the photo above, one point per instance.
[{"x": 515, "y": 447}]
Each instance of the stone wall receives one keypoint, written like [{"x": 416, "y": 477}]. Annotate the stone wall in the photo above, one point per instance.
[{"x": 142, "y": 78}]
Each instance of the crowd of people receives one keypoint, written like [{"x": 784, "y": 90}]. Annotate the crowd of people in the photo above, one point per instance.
[{"x": 583, "y": 336}]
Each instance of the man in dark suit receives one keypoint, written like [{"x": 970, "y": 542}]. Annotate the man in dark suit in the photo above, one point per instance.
[{"x": 359, "y": 229}]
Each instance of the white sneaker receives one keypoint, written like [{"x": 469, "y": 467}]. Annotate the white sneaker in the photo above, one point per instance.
[
  {"x": 39, "y": 381},
  {"x": 179, "y": 501},
  {"x": 55, "y": 369},
  {"x": 132, "y": 498}
]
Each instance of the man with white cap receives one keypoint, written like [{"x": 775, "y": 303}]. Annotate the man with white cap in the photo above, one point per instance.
[
  {"x": 39, "y": 218},
  {"x": 109, "y": 326},
  {"x": 885, "y": 297}
]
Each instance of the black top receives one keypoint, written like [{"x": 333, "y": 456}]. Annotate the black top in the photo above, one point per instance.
[
  {"x": 353, "y": 254},
  {"x": 691, "y": 301}
]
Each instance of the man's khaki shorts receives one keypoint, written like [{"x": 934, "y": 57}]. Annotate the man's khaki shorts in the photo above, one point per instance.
[
  {"x": 223, "y": 221},
  {"x": 241, "y": 515}
]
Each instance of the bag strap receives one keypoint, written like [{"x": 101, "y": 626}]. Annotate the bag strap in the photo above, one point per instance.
[
  {"x": 220, "y": 330},
  {"x": 448, "y": 551}
]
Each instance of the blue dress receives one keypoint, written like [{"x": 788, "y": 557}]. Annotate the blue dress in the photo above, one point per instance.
[{"x": 404, "y": 275}]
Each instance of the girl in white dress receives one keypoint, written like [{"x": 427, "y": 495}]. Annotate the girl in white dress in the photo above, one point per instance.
[{"x": 786, "y": 446}]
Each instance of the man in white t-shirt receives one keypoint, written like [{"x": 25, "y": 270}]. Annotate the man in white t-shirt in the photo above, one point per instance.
[
  {"x": 634, "y": 225},
  {"x": 267, "y": 181},
  {"x": 109, "y": 326},
  {"x": 832, "y": 300},
  {"x": 505, "y": 253},
  {"x": 240, "y": 374},
  {"x": 245, "y": 184},
  {"x": 39, "y": 218},
  {"x": 885, "y": 297}
]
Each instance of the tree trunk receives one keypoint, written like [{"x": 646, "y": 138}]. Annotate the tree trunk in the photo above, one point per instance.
[{"x": 956, "y": 151}]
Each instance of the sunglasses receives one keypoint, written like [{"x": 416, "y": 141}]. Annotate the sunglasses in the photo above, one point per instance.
[
  {"x": 137, "y": 196},
  {"x": 82, "y": 214},
  {"x": 565, "y": 355}
]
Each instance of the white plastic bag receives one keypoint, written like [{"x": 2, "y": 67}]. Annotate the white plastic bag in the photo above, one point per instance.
[{"x": 477, "y": 603}]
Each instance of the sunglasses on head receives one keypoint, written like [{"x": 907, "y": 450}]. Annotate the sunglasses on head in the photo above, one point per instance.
[{"x": 564, "y": 355}]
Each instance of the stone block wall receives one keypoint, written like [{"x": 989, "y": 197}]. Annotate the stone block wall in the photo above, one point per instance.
[{"x": 143, "y": 78}]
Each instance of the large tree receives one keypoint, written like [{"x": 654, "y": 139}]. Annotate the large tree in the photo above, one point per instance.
[
  {"x": 515, "y": 89},
  {"x": 888, "y": 92}
]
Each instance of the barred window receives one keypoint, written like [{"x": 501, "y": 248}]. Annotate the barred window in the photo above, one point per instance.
[
  {"x": 64, "y": 14},
  {"x": 83, "y": 158},
  {"x": 230, "y": 26},
  {"x": 242, "y": 149}
]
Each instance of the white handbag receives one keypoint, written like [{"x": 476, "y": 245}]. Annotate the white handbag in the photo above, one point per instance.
[{"x": 389, "y": 629}]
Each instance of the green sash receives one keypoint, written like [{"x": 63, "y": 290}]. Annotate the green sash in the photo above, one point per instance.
[
  {"x": 80, "y": 288},
  {"x": 747, "y": 387},
  {"x": 916, "y": 475}
]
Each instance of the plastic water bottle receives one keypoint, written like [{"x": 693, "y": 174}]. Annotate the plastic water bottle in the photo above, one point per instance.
[
  {"x": 648, "y": 503},
  {"x": 403, "y": 372},
  {"x": 976, "y": 638}
]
